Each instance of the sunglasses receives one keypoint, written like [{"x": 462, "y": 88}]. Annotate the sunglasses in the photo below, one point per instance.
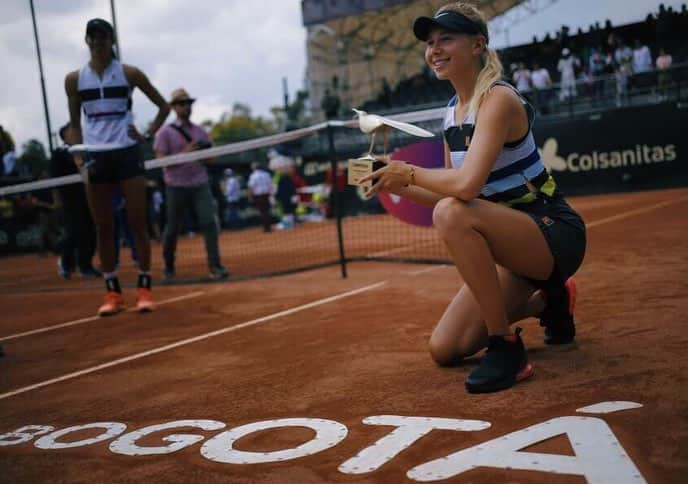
[{"x": 185, "y": 102}]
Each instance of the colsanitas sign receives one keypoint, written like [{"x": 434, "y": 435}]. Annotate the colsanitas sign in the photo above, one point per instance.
[{"x": 603, "y": 160}]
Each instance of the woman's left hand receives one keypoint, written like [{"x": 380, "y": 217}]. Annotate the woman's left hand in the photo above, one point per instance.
[
  {"x": 390, "y": 178},
  {"x": 135, "y": 135},
  {"x": 138, "y": 137}
]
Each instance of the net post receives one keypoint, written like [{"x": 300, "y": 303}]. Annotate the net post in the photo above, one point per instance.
[{"x": 337, "y": 199}]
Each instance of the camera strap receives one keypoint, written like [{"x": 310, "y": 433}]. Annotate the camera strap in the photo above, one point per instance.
[{"x": 181, "y": 131}]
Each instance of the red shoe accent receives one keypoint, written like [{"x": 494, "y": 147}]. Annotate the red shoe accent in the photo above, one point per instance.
[
  {"x": 573, "y": 292},
  {"x": 526, "y": 372}
]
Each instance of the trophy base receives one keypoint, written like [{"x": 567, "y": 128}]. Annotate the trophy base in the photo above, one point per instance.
[{"x": 360, "y": 167}]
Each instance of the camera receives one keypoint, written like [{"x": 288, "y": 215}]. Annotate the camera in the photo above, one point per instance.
[{"x": 203, "y": 144}]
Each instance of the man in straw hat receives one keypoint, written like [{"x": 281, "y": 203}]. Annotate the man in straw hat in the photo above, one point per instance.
[{"x": 187, "y": 185}]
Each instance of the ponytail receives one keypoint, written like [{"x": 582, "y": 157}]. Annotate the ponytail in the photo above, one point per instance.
[{"x": 491, "y": 72}]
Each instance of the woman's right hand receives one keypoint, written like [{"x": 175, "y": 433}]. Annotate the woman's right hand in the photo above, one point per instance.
[{"x": 78, "y": 160}]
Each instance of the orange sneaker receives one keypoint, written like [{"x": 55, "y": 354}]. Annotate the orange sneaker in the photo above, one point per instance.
[
  {"x": 144, "y": 300},
  {"x": 113, "y": 304}
]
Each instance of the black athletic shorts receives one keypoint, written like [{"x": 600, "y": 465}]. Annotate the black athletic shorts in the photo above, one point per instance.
[
  {"x": 114, "y": 166},
  {"x": 564, "y": 231}
]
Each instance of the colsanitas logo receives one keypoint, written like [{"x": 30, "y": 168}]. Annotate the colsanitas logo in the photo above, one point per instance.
[{"x": 603, "y": 160}]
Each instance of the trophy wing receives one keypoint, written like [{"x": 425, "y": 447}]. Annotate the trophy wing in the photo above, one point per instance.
[{"x": 407, "y": 127}]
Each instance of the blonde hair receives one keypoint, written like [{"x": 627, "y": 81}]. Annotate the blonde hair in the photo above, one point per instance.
[{"x": 492, "y": 69}]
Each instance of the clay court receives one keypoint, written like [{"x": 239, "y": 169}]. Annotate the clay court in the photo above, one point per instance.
[{"x": 312, "y": 345}]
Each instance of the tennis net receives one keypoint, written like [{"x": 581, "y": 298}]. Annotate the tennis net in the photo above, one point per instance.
[{"x": 333, "y": 222}]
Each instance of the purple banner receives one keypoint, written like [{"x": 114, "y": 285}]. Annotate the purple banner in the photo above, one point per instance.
[{"x": 428, "y": 154}]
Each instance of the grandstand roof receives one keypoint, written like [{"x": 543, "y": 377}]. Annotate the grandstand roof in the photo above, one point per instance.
[
  {"x": 319, "y": 11},
  {"x": 359, "y": 44},
  {"x": 493, "y": 8}
]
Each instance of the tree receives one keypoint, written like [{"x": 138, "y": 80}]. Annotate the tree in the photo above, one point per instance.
[
  {"x": 294, "y": 115},
  {"x": 34, "y": 157},
  {"x": 6, "y": 142},
  {"x": 296, "y": 111},
  {"x": 240, "y": 125}
]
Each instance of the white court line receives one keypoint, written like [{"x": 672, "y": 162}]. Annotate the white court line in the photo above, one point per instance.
[
  {"x": 275, "y": 315},
  {"x": 399, "y": 250},
  {"x": 429, "y": 269},
  {"x": 24, "y": 280},
  {"x": 93, "y": 318},
  {"x": 195, "y": 339},
  {"x": 630, "y": 213}
]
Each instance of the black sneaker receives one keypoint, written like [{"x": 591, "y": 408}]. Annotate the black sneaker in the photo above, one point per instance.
[
  {"x": 557, "y": 317},
  {"x": 168, "y": 275},
  {"x": 62, "y": 270},
  {"x": 218, "y": 272},
  {"x": 504, "y": 364},
  {"x": 90, "y": 273}
]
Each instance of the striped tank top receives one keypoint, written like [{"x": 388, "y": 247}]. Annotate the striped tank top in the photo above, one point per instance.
[
  {"x": 518, "y": 173},
  {"x": 106, "y": 105}
]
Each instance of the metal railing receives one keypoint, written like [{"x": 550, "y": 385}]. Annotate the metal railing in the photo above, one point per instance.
[{"x": 594, "y": 94}]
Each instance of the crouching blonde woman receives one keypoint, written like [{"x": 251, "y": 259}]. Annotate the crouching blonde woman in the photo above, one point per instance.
[{"x": 512, "y": 236}]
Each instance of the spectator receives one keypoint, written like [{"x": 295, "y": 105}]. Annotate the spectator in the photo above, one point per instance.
[
  {"x": 44, "y": 204},
  {"x": 522, "y": 80},
  {"x": 642, "y": 59},
  {"x": 622, "y": 74},
  {"x": 14, "y": 171},
  {"x": 6, "y": 146},
  {"x": 623, "y": 55},
  {"x": 6, "y": 142},
  {"x": 187, "y": 185},
  {"x": 385, "y": 97},
  {"x": 9, "y": 163},
  {"x": 336, "y": 183},
  {"x": 664, "y": 62},
  {"x": 330, "y": 104},
  {"x": 586, "y": 80},
  {"x": 664, "y": 25},
  {"x": 285, "y": 188},
  {"x": 123, "y": 235},
  {"x": 79, "y": 240},
  {"x": 232, "y": 194},
  {"x": 157, "y": 211},
  {"x": 259, "y": 189},
  {"x": 612, "y": 42},
  {"x": 567, "y": 67},
  {"x": 608, "y": 27},
  {"x": 542, "y": 83},
  {"x": 598, "y": 67}
]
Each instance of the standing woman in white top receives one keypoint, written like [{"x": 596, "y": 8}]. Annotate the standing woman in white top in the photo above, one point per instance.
[
  {"x": 509, "y": 231},
  {"x": 102, "y": 89}
]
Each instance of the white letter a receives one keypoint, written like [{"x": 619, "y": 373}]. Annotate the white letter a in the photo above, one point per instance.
[{"x": 600, "y": 458}]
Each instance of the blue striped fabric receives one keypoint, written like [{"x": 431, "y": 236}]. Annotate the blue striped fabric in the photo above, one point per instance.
[{"x": 515, "y": 168}]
